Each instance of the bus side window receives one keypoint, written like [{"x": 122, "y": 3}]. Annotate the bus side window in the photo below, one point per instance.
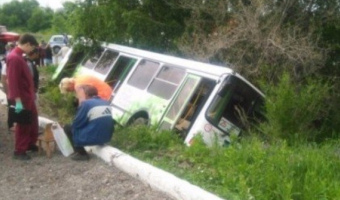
[
  {"x": 106, "y": 61},
  {"x": 120, "y": 70},
  {"x": 165, "y": 84},
  {"x": 143, "y": 74}
]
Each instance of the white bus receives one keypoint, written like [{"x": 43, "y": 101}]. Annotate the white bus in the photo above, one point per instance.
[{"x": 186, "y": 96}]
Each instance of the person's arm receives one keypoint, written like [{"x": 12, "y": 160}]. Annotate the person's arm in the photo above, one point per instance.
[
  {"x": 81, "y": 118},
  {"x": 80, "y": 94},
  {"x": 13, "y": 71}
]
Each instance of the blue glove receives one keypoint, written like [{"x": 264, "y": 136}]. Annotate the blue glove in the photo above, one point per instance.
[{"x": 18, "y": 107}]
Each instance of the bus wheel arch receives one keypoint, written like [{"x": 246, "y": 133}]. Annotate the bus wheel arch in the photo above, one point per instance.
[{"x": 140, "y": 118}]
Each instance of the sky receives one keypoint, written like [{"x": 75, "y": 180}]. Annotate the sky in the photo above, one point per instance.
[{"x": 54, "y": 4}]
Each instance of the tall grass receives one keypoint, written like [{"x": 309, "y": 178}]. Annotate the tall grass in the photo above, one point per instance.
[{"x": 250, "y": 169}]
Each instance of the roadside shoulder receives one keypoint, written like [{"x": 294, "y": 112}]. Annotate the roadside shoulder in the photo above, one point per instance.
[{"x": 155, "y": 177}]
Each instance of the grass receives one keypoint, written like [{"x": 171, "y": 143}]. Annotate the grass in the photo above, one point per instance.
[{"x": 247, "y": 169}]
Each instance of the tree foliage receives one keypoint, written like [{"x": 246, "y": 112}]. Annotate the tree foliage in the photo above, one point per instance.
[
  {"x": 29, "y": 16},
  {"x": 40, "y": 19},
  {"x": 15, "y": 13},
  {"x": 150, "y": 24}
]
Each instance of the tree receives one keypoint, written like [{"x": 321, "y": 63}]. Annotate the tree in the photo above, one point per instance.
[
  {"x": 257, "y": 37},
  {"x": 150, "y": 24},
  {"x": 40, "y": 19},
  {"x": 15, "y": 14}
]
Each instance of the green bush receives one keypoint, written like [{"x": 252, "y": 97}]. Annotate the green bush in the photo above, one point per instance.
[
  {"x": 59, "y": 106},
  {"x": 295, "y": 112}
]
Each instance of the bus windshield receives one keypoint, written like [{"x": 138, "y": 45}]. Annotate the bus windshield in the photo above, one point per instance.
[{"x": 235, "y": 104}]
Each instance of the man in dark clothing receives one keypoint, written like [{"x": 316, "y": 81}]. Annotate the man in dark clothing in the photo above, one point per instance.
[
  {"x": 42, "y": 53},
  {"x": 32, "y": 62},
  {"x": 48, "y": 55},
  {"x": 21, "y": 95},
  {"x": 93, "y": 123}
]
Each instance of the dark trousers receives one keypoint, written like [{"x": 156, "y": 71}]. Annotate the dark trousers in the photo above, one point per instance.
[
  {"x": 10, "y": 118},
  {"x": 68, "y": 131}
]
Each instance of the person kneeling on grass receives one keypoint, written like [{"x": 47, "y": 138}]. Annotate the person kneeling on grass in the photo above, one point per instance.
[
  {"x": 71, "y": 84},
  {"x": 93, "y": 123}
]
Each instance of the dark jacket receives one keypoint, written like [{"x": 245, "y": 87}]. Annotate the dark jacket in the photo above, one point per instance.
[
  {"x": 48, "y": 53},
  {"x": 93, "y": 123},
  {"x": 35, "y": 73}
]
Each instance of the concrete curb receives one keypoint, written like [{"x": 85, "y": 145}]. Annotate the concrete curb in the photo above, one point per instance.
[{"x": 156, "y": 178}]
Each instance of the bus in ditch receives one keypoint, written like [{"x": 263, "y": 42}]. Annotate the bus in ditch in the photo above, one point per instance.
[{"x": 173, "y": 93}]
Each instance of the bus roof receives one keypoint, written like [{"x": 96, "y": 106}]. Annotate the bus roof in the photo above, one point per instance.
[
  {"x": 215, "y": 71},
  {"x": 172, "y": 60}
]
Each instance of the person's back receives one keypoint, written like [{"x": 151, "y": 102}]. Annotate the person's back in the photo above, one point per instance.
[
  {"x": 93, "y": 124},
  {"x": 19, "y": 78}
]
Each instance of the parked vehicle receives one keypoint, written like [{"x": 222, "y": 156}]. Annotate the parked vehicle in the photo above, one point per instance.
[
  {"x": 56, "y": 42},
  {"x": 5, "y": 37},
  {"x": 173, "y": 93}
]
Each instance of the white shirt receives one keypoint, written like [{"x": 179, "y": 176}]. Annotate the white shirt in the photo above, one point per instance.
[{"x": 3, "y": 70}]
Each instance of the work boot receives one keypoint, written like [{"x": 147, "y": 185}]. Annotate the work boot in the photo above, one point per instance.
[
  {"x": 80, "y": 157},
  {"x": 21, "y": 156}
]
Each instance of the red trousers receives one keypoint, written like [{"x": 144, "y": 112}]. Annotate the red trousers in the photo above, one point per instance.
[{"x": 27, "y": 134}]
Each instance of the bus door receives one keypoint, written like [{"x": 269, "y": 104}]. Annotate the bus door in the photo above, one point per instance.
[{"x": 180, "y": 107}]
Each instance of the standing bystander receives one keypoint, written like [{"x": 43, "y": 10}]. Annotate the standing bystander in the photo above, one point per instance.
[
  {"x": 48, "y": 55},
  {"x": 21, "y": 95},
  {"x": 42, "y": 53}
]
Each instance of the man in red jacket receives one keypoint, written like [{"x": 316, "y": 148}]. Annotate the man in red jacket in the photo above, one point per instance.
[{"x": 21, "y": 95}]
